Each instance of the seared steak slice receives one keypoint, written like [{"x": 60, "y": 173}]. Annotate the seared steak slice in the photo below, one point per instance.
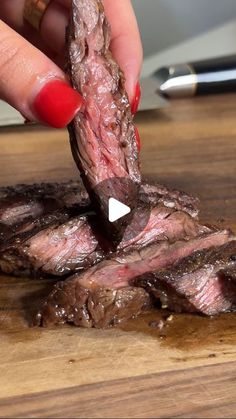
[
  {"x": 163, "y": 224},
  {"x": 171, "y": 198},
  {"x": 15, "y": 210},
  {"x": 204, "y": 282},
  {"x": 103, "y": 136},
  {"x": 77, "y": 299},
  {"x": 23, "y": 207},
  {"x": 67, "y": 245},
  {"x": 98, "y": 307}
]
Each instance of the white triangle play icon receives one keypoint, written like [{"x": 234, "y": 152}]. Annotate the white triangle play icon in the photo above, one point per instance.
[{"x": 116, "y": 210}]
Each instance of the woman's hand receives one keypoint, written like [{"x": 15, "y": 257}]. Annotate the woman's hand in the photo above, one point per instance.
[{"x": 31, "y": 75}]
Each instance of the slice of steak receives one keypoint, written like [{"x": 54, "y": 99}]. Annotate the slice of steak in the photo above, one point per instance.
[
  {"x": 77, "y": 299},
  {"x": 68, "y": 244},
  {"x": 102, "y": 136},
  {"x": 98, "y": 307},
  {"x": 16, "y": 209},
  {"x": 13, "y": 259},
  {"x": 171, "y": 198},
  {"x": 22, "y": 207},
  {"x": 163, "y": 224},
  {"x": 64, "y": 249},
  {"x": 204, "y": 282}
]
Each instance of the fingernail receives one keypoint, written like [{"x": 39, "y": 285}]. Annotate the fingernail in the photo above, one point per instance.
[
  {"x": 57, "y": 103},
  {"x": 138, "y": 140},
  {"x": 136, "y": 99}
]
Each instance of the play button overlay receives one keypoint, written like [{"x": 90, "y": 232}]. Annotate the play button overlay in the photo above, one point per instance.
[
  {"x": 122, "y": 209},
  {"x": 117, "y": 210}
]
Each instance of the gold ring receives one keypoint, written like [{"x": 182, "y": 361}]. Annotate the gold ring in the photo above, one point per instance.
[{"x": 34, "y": 11}]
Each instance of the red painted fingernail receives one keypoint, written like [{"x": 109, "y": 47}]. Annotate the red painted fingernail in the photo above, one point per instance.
[
  {"x": 57, "y": 103},
  {"x": 136, "y": 99},
  {"x": 138, "y": 140}
]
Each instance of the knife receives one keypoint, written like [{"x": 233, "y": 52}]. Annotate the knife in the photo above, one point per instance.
[
  {"x": 217, "y": 75},
  {"x": 151, "y": 97}
]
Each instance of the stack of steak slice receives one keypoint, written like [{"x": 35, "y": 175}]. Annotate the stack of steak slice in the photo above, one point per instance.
[
  {"x": 109, "y": 292},
  {"x": 203, "y": 282},
  {"x": 66, "y": 239},
  {"x": 187, "y": 266}
]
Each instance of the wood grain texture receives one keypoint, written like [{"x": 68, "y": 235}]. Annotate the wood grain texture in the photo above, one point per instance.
[
  {"x": 185, "y": 370},
  {"x": 197, "y": 392}
]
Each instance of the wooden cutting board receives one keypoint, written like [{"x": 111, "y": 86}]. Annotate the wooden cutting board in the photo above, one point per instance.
[{"x": 188, "y": 369}]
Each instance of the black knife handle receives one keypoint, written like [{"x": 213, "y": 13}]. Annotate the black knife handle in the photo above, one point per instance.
[{"x": 217, "y": 75}]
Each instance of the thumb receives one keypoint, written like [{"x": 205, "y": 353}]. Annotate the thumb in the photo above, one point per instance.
[
  {"x": 126, "y": 43},
  {"x": 33, "y": 84}
]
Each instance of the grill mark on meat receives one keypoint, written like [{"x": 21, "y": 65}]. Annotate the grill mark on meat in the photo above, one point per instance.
[
  {"x": 102, "y": 137},
  {"x": 56, "y": 244},
  {"x": 115, "y": 274},
  {"x": 203, "y": 282},
  {"x": 23, "y": 207},
  {"x": 11, "y": 235},
  {"x": 13, "y": 254}
]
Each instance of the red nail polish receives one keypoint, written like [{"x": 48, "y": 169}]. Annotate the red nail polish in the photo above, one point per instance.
[
  {"x": 57, "y": 103},
  {"x": 136, "y": 99},
  {"x": 138, "y": 140}
]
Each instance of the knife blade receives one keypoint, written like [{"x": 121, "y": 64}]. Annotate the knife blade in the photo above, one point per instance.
[
  {"x": 211, "y": 76},
  {"x": 150, "y": 98},
  {"x": 9, "y": 116}
]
